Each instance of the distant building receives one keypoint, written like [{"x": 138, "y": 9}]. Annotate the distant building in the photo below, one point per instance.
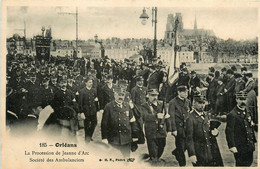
[
  {"x": 205, "y": 57},
  {"x": 187, "y": 57},
  {"x": 120, "y": 53},
  {"x": 90, "y": 50},
  {"x": 165, "y": 53},
  {"x": 183, "y": 33}
]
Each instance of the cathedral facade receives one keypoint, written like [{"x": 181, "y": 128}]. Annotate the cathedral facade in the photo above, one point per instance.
[{"x": 183, "y": 34}]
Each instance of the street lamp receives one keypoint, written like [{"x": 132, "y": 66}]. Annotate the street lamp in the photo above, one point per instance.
[
  {"x": 144, "y": 17},
  {"x": 101, "y": 45}
]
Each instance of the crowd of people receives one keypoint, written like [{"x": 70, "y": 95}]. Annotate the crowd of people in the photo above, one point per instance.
[{"x": 138, "y": 105}]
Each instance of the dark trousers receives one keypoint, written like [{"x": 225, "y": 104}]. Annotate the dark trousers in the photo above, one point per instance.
[
  {"x": 244, "y": 159},
  {"x": 90, "y": 124},
  {"x": 156, "y": 147},
  {"x": 180, "y": 149},
  {"x": 124, "y": 149}
]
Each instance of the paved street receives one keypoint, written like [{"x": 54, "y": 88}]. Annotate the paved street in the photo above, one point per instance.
[{"x": 170, "y": 160}]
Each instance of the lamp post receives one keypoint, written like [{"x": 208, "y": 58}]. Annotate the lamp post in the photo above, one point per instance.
[
  {"x": 101, "y": 46},
  {"x": 144, "y": 18},
  {"x": 76, "y": 16}
]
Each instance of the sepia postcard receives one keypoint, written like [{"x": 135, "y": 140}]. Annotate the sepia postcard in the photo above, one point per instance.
[{"x": 129, "y": 84}]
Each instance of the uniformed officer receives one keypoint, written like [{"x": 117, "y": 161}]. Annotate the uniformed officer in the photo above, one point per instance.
[
  {"x": 240, "y": 83},
  {"x": 87, "y": 104},
  {"x": 139, "y": 92},
  {"x": 46, "y": 93},
  {"x": 240, "y": 133},
  {"x": 124, "y": 86},
  {"x": 65, "y": 108},
  {"x": 194, "y": 83},
  {"x": 156, "y": 125},
  {"x": 117, "y": 121},
  {"x": 199, "y": 136},
  {"x": 53, "y": 83},
  {"x": 155, "y": 79},
  {"x": 229, "y": 90},
  {"x": 179, "y": 108},
  {"x": 107, "y": 92},
  {"x": 32, "y": 99},
  {"x": 93, "y": 74}
]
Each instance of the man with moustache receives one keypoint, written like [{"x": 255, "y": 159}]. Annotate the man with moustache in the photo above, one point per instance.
[
  {"x": 240, "y": 134},
  {"x": 202, "y": 146},
  {"x": 179, "y": 109},
  {"x": 65, "y": 108},
  {"x": 117, "y": 123}
]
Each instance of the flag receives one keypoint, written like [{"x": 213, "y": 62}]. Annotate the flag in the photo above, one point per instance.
[
  {"x": 43, "y": 116},
  {"x": 174, "y": 65}
]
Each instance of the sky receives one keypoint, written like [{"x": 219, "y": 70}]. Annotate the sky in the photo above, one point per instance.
[{"x": 123, "y": 22}]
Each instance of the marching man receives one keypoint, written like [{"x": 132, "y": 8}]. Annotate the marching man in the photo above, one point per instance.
[
  {"x": 156, "y": 125},
  {"x": 200, "y": 136},
  {"x": 239, "y": 132},
  {"x": 117, "y": 123}
]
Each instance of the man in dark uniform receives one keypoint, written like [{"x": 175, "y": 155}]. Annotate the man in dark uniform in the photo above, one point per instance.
[
  {"x": 99, "y": 90},
  {"x": 229, "y": 90},
  {"x": 65, "y": 108},
  {"x": 156, "y": 125},
  {"x": 139, "y": 92},
  {"x": 54, "y": 84},
  {"x": 179, "y": 108},
  {"x": 124, "y": 86},
  {"x": 93, "y": 74},
  {"x": 46, "y": 93},
  {"x": 87, "y": 105},
  {"x": 240, "y": 83},
  {"x": 199, "y": 136},
  {"x": 211, "y": 92},
  {"x": 184, "y": 78},
  {"x": 240, "y": 133},
  {"x": 155, "y": 79},
  {"x": 32, "y": 98},
  {"x": 224, "y": 75},
  {"x": 194, "y": 84},
  {"x": 107, "y": 92},
  {"x": 117, "y": 121}
]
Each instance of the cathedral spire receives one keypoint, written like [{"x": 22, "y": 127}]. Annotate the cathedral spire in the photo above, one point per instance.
[{"x": 195, "y": 23}]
